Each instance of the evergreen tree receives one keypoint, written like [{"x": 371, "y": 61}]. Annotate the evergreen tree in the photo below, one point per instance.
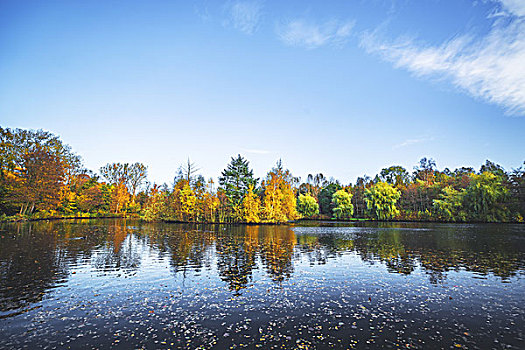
[
  {"x": 325, "y": 197},
  {"x": 236, "y": 179}
]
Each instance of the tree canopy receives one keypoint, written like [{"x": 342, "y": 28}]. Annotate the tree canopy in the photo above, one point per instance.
[{"x": 41, "y": 177}]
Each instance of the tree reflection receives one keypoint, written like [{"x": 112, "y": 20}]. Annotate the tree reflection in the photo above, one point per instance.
[
  {"x": 29, "y": 265},
  {"x": 35, "y": 257},
  {"x": 277, "y": 249},
  {"x": 120, "y": 251},
  {"x": 236, "y": 255}
]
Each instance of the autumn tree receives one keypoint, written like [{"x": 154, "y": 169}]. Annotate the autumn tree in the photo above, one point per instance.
[
  {"x": 130, "y": 175},
  {"x": 28, "y": 157},
  {"x": 449, "y": 207},
  {"x": 279, "y": 204},
  {"x": 137, "y": 174},
  {"x": 381, "y": 201},
  {"x": 358, "y": 198},
  {"x": 343, "y": 208},
  {"x": 425, "y": 170},
  {"x": 251, "y": 206},
  {"x": 485, "y": 198},
  {"x": 395, "y": 175},
  {"x": 313, "y": 185},
  {"x": 41, "y": 178},
  {"x": 307, "y": 205}
]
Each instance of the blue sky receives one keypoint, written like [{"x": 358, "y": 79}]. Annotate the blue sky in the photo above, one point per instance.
[{"x": 342, "y": 87}]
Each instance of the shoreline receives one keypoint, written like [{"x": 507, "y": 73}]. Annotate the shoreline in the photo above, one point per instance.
[{"x": 327, "y": 221}]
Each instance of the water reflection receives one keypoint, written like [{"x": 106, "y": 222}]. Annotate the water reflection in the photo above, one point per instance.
[
  {"x": 34, "y": 257},
  {"x": 269, "y": 285},
  {"x": 30, "y": 264}
]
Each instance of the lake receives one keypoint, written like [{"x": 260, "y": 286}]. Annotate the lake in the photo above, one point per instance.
[{"x": 129, "y": 284}]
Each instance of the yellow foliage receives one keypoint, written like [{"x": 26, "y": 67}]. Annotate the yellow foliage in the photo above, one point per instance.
[
  {"x": 279, "y": 204},
  {"x": 251, "y": 207}
]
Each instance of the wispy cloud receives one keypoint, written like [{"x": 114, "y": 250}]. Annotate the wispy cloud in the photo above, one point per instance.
[
  {"x": 490, "y": 67},
  {"x": 255, "y": 151},
  {"x": 202, "y": 11},
  {"x": 513, "y": 7},
  {"x": 310, "y": 35},
  {"x": 244, "y": 15},
  {"x": 410, "y": 142}
]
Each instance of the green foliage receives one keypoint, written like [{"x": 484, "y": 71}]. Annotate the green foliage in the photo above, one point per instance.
[
  {"x": 343, "y": 208},
  {"x": 450, "y": 205},
  {"x": 307, "y": 205},
  {"x": 155, "y": 208},
  {"x": 236, "y": 179},
  {"x": 395, "y": 175},
  {"x": 381, "y": 201},
  {"x": 325, "y": 197},
  {"x": 41, "y": 177},
  {"x": 485, "y": 199}
]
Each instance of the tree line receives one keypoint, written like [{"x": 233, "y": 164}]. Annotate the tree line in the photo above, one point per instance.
[{"x": 42, "y": 177}]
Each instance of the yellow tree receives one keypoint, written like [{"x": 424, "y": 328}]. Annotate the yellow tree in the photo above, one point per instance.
[
  {"x": 251, "y": 206},
  {"x": 210, "y": 202},
  {"x": 381, "y": 201},
  {"x": 155, "y": 206},
  {"x": 188, "y": 202},
  {"x": 279, "y": 204},
  {"x": 120, "y": 197}
]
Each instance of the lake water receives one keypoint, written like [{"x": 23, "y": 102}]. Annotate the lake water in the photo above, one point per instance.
[{"x": 128, "y": 284}]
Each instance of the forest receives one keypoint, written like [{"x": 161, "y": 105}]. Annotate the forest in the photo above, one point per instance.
[{"x": 41, "y": 177}]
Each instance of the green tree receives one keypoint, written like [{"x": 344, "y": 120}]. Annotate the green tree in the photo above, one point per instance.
[
  {"x": 155, "y": 207},
  {"x": 381, "y": 201},
  {"x": 485, "y": 198},
  {"x": 343, "y": 208},
  {"x": 517, "y": 186},
  {"x": 325, "y": 197},
  {"x": 493, "y": 168},
  {"x": 236, "y": 180},
  {"x": 307, "y": 205},
  {"x": 395, "y": 175},
  {"x": 450, "y": 205}
]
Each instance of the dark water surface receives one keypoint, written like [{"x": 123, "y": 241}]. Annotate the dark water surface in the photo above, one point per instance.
[{"x": 117, "y": 283}]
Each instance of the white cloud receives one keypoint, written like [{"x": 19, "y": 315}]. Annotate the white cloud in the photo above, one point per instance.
[
  {"x": 410, "y": 142},
  {"x": 244, "y": 15},
  {"x": 491, "y": 67},
  {"x": 515, "y": 7},
  {"x": 302, "y": 33}
]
